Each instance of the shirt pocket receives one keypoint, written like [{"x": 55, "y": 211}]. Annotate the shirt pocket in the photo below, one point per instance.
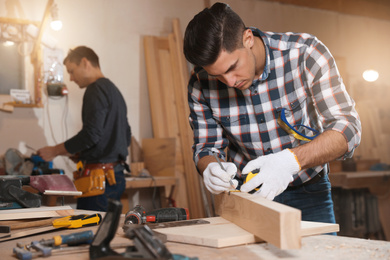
[
  {"x": 234, "y": 124},
  {"x": 296, "y": 114}
]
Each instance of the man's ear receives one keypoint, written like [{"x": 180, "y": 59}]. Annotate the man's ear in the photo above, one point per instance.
[
  {"x": 248, "y": 39},
  {"x": 84, "y": 62}
]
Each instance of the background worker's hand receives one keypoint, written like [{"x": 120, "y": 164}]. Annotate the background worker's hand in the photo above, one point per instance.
[
  {"x": 218, "y": 180},
  {"x": 276, "y": 172},
  {"x": 47, "y": 153}
]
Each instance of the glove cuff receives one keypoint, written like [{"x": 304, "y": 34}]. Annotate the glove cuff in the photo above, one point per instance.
[{"x": 296, "y": 158}]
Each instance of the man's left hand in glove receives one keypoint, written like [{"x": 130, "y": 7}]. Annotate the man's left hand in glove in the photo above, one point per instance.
[{"x": 276, "y": 172}]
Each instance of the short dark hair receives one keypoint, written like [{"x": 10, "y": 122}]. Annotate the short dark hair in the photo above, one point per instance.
[
  {"x": 75, "y": 55},
  {"x": 211, "y": 31}
]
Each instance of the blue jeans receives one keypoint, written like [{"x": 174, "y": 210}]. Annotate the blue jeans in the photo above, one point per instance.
[
  {"x": 100, "y": 202},
  {"x": 314, "y": 201}
]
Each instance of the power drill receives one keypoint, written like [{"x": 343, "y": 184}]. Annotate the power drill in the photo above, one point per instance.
[{"x": 138, "y": 215}]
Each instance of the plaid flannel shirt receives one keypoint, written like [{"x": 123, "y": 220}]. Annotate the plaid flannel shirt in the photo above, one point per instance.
[{"x": 300, "y": 75}]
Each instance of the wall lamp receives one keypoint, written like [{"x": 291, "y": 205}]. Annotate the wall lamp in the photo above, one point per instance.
[
  {"x": 370, "y": 75},
  {"x": 56, "y": 23}
]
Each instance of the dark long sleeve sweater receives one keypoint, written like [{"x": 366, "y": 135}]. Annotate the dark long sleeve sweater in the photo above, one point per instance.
[{"x": 106, "y": 133}]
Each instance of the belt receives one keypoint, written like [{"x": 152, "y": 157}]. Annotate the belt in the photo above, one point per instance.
[
  {"x": 313, "y": 180},
  {"x": 92, "y": 166}
]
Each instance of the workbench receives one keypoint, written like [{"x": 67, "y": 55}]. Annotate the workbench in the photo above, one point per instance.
[
  {"x": 319, "y": 246},
  {"x": 378, "y": 183}
]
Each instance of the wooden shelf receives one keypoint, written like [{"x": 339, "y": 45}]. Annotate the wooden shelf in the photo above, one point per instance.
[
  {"x": 23, "y": 105},
  {"x": 9, "y": 106}
]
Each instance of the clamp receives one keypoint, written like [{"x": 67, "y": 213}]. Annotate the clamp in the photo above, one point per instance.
[{"x": 146, "y": 245}]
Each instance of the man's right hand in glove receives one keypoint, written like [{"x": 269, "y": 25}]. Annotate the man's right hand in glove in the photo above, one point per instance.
[{"x": 217, "y": 180}]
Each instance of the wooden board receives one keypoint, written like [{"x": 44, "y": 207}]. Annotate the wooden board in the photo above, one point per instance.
[
  {"x": 135, "y": 151},
  {"x": 42, "y": 212},
  {"x": 159, "y": 156},
  {"x": 223, "y": 233},
  {"x": 27, "y": 223}
]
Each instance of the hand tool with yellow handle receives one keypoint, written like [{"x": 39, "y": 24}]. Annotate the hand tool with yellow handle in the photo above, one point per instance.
[
  {"x": 78, "y": 221},
  {"x": 84, "y": 237},
  {"x": 45, "y": 246},
  {"x": 79, "y": 238}
]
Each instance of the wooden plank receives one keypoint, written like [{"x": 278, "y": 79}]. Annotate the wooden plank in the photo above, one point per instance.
[
  {"x": 181, "y": 78},
  {"x": 135, "y": 151},
  {"x": 219, "y": 233},
  {"x": 159, "y": 156},
  {"x": 273, "y": 222},
  {"x": 222, "y": 233},
  {"x": 309, "y": 228},
  {"x": 168, "y": 100},
  {"x": 155, "y": 86},
  {"x": 29, "y": 213},
  {"x": 27, "y": 223},
  {"x": 134, "y": 183},
  {"x": 167, "y": 80}
]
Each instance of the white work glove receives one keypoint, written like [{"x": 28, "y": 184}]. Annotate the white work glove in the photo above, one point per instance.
[
  {"x": 217, "y": 180},
  {"x": 276, "y": 172}
]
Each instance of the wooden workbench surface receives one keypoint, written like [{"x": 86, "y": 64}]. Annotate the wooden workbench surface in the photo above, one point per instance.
[{"x": 320, "y": 247}]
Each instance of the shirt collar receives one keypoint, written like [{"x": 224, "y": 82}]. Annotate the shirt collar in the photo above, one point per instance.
[{"x": 267, "y": 70}]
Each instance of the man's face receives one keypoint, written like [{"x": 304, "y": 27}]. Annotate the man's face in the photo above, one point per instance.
[
  {"x": 77, "y": 73},
  {"x": 239, "y": 68},
  {"x": 235, "y": 69}
]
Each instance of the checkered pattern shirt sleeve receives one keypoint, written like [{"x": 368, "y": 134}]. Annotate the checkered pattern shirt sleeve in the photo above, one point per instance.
[{"x": 301, "y": 76}]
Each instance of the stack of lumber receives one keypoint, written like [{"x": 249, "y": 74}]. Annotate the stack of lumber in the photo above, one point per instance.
[{"x": 167, "y": 74}]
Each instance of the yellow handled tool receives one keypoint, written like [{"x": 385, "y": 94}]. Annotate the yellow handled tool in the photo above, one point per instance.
[{"x": 77, "y": 221}]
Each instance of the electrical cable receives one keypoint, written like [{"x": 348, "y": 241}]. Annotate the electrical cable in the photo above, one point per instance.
[
  {"x": 50, "y": 124},
  {"x": 65, "y": 126}
]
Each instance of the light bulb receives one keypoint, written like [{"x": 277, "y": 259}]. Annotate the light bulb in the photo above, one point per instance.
[
  {"x": 56, "y": 25},
  {"x": 370, "y": 75},
  {"x": 8, "y": 43}
]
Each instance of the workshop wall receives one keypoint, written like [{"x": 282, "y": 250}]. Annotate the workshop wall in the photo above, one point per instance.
[{"x": 115, "y": 30}]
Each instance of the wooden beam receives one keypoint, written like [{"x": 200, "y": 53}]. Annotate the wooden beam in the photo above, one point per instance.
[
  {"x": 270, "y": 221},
  {"x": 18, "y": 21}
]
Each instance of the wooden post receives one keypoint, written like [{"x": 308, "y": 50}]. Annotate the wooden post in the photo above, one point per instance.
[{"x": 36, "y": 56}]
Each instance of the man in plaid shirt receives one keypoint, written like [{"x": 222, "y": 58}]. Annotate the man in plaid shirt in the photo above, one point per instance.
[{"x": 274, "y": 102}]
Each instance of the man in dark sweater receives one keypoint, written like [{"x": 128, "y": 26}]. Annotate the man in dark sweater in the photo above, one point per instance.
[{"x": 103, "y": 141}]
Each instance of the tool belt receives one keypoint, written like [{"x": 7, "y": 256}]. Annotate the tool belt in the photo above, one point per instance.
[{"x": 91, "y": 178}]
